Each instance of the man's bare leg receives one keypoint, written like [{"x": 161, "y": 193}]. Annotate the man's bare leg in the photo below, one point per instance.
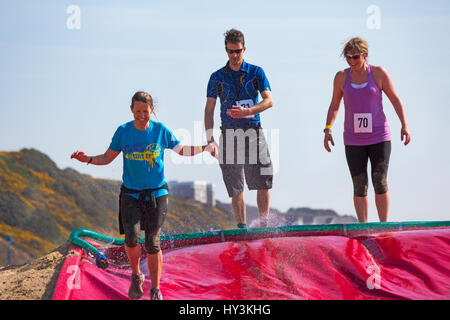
[
  {"x": 239, "y": 208},
  {"x": 263, "y": 201}
]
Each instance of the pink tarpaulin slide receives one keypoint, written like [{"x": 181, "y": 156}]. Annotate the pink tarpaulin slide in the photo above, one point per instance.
[{"x": 349, "y": 262}]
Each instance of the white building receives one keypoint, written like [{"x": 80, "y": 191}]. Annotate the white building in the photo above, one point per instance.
[{"x": 194, "y": 190}]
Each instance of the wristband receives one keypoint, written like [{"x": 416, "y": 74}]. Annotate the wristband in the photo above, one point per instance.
[
  {"x": 202, "y": 148},
  {"x": 327, "y": 127}
]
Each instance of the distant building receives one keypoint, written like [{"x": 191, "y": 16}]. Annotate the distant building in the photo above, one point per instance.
[
  {"x": 210, "y": 193},
  {"x": 310, "y": 220},
  {"x": 194, "y": 190}
]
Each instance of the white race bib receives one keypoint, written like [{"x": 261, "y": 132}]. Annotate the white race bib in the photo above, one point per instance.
[
  {"x": 362, "y": 122},
  {"x": 248, "y": 103}
]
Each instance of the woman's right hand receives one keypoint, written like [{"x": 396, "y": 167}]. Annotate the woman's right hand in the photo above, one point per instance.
[
  {"x": 80, "y": 156},
  {"x": 327, "y": 139}
]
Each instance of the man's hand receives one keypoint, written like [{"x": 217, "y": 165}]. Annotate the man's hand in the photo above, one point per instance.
[
  {"x": 238, "y": 112},
  {"x": 213, "y": 149}
]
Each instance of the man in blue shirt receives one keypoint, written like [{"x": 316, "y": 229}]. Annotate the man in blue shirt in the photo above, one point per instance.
[{"x": 242, "y": 148}]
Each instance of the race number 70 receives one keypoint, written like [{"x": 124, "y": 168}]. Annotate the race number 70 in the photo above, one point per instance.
[{"x": 362, "y": 122}]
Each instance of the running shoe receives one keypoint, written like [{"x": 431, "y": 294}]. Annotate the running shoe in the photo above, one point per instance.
[
  {"x": 136, "y": 291},
  {"x": 155, "y": 294}
]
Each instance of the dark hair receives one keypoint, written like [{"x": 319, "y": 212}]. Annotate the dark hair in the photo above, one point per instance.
[
  {"x": 142, "y": 96},
  {"x": 234, "y": 36}
]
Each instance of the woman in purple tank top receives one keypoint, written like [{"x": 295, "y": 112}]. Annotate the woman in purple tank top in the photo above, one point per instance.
[{"x": 366, "y": 130}]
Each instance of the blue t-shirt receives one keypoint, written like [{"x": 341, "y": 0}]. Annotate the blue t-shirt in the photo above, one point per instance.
[
  {"x": 143, "y": 155},
  {"x": 232, "y": 86},
  {"x": 236, "y": 76}
]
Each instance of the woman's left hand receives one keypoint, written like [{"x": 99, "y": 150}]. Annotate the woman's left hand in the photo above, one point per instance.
[
  {"x": 404, "y": 134},
  {"x": 327, "y": 139}
]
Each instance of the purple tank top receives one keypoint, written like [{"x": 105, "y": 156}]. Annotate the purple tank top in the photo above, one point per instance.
[{"x": 365, "y": 122}]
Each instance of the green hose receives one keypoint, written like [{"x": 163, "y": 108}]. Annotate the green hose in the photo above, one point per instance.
[
  {"x": 100, "y": 258},
  {"x": 102, "y": 261}
]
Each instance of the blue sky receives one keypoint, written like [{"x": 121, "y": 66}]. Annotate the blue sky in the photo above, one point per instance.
[{"x": 66, "y": 89}]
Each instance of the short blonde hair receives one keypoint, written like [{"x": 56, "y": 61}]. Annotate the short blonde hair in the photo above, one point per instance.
[{"x": 356, "y": 44}]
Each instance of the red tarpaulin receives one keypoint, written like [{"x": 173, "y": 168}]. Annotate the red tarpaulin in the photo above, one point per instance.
[{"x": 386, "y": 265}]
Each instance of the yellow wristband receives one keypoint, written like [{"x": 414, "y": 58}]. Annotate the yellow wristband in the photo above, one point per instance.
[{"x": 328, "y": 127}]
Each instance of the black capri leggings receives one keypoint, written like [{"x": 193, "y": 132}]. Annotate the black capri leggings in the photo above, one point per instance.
[
  {"x": 357, "y": 158},
  {"x": 153, "y": 220}
]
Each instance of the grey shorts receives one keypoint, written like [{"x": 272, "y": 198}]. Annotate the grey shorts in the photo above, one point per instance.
[
  {"x": 245, "y": 153},
  {"x": 133, "y": 216}
]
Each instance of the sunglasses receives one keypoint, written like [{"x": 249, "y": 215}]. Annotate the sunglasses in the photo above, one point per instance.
[
  {"x": 352, "y": 57},
  {"x": 238, "y": 51}
]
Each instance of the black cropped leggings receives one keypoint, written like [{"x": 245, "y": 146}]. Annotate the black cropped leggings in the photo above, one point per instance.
[
  {"x": 357, "y": 159},
  {"x": 154, "y": 219}
]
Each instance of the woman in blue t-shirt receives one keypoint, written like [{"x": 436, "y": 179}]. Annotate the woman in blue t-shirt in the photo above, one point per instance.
[{"x": 144, "y": 193}]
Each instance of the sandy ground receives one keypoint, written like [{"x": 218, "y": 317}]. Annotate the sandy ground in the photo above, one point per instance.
[{"x": 35, "y": 280}]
